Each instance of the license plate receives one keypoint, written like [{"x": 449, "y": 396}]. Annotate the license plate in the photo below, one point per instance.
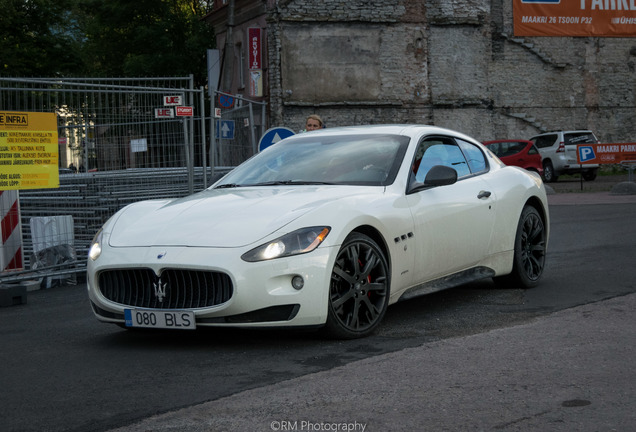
[{"x": 178, "y": 320}]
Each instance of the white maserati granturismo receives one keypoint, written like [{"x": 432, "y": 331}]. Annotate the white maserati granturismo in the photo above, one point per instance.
[{"x": 324, "y": 229}]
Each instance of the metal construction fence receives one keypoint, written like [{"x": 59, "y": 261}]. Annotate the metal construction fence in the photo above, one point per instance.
[{"x": 114, "y": 149}]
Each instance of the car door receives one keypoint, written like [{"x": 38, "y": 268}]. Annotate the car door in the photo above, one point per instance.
[{"x": 453, "y": 223}]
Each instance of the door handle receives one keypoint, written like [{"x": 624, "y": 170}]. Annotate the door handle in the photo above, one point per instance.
[{"x": 484, "y": 194}]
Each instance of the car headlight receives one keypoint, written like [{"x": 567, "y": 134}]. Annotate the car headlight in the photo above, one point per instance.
[
  {"x": 298, "y": 242},
  {"x": 96, "y": 246}
]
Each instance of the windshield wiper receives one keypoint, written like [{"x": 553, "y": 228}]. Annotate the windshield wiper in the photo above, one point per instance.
[
  {"x": 290, "y": 182},
  {"x": 227, "y": 186}
]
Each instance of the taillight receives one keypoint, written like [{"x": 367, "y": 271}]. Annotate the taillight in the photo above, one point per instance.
[{"x": 561, "y": 148}]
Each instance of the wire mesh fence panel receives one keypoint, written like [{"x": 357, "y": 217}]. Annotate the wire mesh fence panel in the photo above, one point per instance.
[
  {"x": 237, "y": 133},
  {"x": 118, "y": 143}
]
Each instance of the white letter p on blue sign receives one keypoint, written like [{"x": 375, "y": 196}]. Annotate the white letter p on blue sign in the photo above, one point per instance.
[{"x": 586, "y": 153}]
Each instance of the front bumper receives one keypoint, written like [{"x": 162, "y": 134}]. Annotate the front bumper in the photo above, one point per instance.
[{"x": 261, "y": 293}]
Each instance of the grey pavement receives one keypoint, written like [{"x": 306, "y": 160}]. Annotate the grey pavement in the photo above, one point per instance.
[
  {"x": 570, "y": 371},
  {"x": 573, "y": 370}
]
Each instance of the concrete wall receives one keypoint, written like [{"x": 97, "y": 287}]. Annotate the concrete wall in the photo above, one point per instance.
[{"x": 453, "y": 63}]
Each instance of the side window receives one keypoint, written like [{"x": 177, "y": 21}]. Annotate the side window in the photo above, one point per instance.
[
  {"x": 457, "y": 160},
  {"x": 474, "y": 156},
  {"x": 439, "y": 151},
  {"x": 429, "y": 153},
  {"x": 533, "y": 150},
  {"x": 517, "y": 147},
  {"x": 545, "y": 141}
]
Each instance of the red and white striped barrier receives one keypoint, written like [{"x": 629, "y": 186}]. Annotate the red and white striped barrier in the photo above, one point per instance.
[{"x": 11, "y": 244}]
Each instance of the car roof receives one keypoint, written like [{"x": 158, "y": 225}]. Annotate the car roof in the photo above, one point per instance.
[
  {"x": 563, "y": 131},
  {"x": 397, "y": 129},
  {"x": 507, "y": 140}
]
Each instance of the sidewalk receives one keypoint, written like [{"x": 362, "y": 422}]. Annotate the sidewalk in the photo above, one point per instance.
[{"x": 572, "y": 370}]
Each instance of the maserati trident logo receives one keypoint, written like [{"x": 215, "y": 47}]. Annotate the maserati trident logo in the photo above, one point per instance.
[{"x": 160, "y": 290}]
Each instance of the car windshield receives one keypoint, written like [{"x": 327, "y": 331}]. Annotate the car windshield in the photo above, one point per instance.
[{"x": 372, "y": 160}]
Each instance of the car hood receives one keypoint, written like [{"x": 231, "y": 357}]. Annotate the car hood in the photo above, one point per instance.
[{"x": 219, "y": 217}]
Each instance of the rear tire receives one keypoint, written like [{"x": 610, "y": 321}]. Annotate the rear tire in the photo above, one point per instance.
[
  {"x": 359, "y": 289},
  {"x": 549, "y": 176},
  {"x": 529, "y": 251},
  {"x": 590, "y": 174}
]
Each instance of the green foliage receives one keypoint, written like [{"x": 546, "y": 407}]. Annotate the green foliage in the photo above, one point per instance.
[
  {"x": 145, "y": 38},
  {"x": 38, "y": 38},
  {"x": 104, "y": 38}
]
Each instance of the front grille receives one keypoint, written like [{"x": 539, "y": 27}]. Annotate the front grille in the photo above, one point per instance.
[{"x": 173, "y": 289}]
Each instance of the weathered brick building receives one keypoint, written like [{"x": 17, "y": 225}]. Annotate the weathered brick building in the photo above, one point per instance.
[{"x": 452, "y": 63}]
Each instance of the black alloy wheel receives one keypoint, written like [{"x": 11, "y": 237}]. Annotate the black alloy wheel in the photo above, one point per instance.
[
  {"x": 359, "y": 288},
  {"x": 529, "y": 251}
]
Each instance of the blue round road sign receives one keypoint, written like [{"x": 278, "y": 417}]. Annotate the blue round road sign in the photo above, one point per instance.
[
  {"x": 226, "y": 101},
  {"x": 273, "y": 135}
]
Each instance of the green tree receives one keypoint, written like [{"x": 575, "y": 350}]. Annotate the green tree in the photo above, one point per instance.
[
  {"x": 38, "y": 38},
  {"x": 104, "y": 38},
  {"x": 145, "y": 37}
]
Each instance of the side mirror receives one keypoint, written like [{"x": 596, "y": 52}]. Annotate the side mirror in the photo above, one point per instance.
[{"x": 438, "y": 175}]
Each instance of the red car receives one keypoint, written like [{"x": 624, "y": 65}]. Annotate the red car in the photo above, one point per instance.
[{"x": 521, "y": 153}]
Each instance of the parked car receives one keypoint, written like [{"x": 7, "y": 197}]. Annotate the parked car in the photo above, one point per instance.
[
  {"x": 323, "y": 229},
  {"x": 558, "y": 151},
  {"x": 521, "y": 153}
]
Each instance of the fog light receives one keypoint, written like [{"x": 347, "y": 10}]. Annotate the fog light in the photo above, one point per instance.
[{"x": 298, "y": 282}]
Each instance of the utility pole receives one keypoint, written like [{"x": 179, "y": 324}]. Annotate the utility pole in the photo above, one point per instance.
[{"x": 228, "y": 54}]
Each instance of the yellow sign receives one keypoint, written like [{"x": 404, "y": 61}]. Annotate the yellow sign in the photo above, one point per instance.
[
  {"x": 609, "y": 18},
  {"x": 28, "y": 150}
]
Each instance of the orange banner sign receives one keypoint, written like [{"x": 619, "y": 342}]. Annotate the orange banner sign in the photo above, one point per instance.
[
  {"x": 606, "y": 153},
  {"x": 612, "y": 18}
]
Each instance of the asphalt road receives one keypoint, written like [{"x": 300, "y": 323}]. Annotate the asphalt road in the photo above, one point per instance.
[{"x": 61, "y": 370}]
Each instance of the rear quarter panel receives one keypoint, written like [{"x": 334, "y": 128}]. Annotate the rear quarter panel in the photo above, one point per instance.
[{"x": 514, "y": 187}]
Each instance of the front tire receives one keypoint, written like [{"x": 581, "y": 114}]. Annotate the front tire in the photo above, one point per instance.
[
  {"x": 359, "y": 288},
  {"x": 529, "y": 251}
]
